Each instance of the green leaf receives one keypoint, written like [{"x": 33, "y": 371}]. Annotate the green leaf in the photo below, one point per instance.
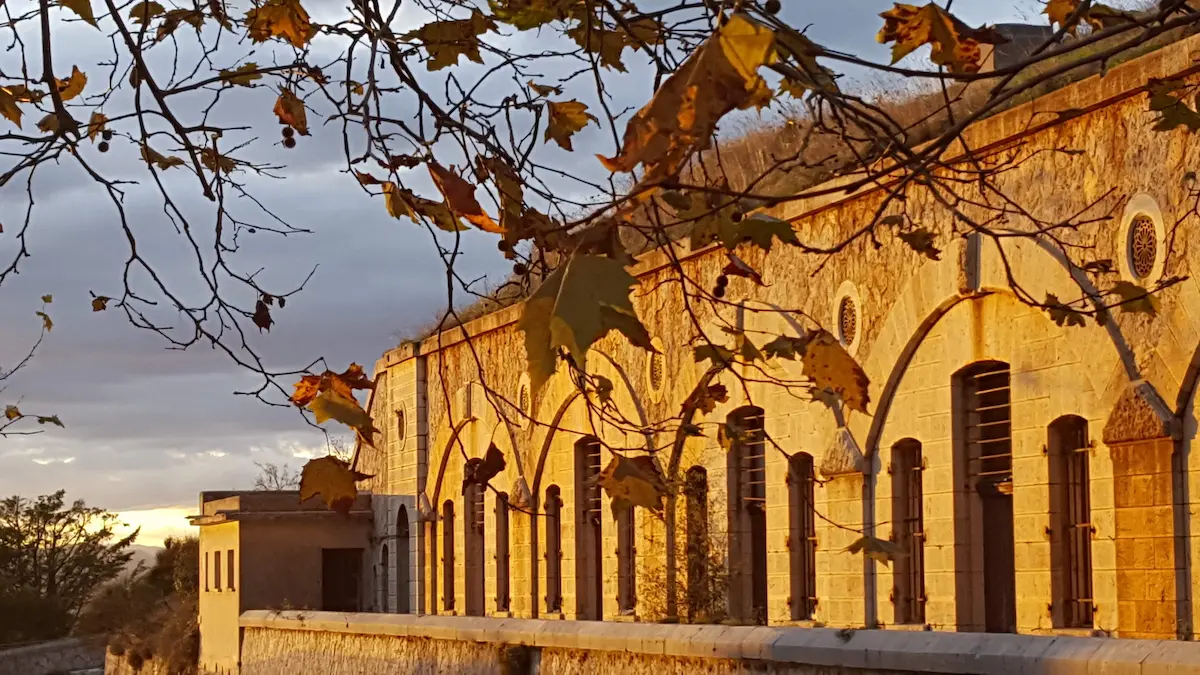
[{"x": 579, "y": 303}]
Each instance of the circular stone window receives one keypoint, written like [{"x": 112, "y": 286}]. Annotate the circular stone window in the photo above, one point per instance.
[
  {"x": 524, "y": 402},
  {"x": 1142, "y": 241},
  {"x": 656, "y": 370},
  {"x": 847, "y": 316},
  {"x": 401, "y": 425}
]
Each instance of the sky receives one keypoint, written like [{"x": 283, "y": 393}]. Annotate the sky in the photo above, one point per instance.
[{"x": 146, "y": 428}]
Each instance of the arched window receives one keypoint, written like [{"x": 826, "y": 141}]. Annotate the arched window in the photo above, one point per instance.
[
  {"x": 802, "y": 535},
  {"x": 403, "y": 604},
  {"x": 384, "y": 589},
  {"x": 448, "y": 555},
  {"x": 748, "y": 514},
  {"x": 432, "y": 573},
  {"x": 589, "y": 539},
  {"x": 985, "y": 553},
  {"x": 473, "y": 540},
  {"x": 503, "y": 593},
  {"x": 1070, "y": 523},
  {"x": 626, "y": 561},
  {"x": 553, "y": 549},
  {"x": 908, "y": 532},
  {"x": 699, "y": 592}
]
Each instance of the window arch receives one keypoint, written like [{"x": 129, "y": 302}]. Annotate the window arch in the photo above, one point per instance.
[
  {"x": 448, "y": 555},
  {"x": 908, "y": 531},
  {"x": 385, "y": 589},
  {"x": 802, "y": 535},
  {"x": 403, "y": 604},
  {"x": 589, "y": 535},
  {"x": 1071, "y": 523},
  {"x": 503, "y": 560},
  {"x": 699, "y": 594},
  {"x": 473, "y": 540},
  {"x": 748, "y": 514},
  {"x": 553, "y": 549}
]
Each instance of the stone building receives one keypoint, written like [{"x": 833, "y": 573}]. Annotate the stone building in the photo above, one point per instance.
[{"x": 1039, "y": 477}]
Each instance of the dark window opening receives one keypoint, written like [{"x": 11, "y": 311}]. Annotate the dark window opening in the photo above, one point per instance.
[
  {"x": 473, "y": 530},
  {"x": 908, "y": 532},
  {"x": 217, "y": 570},
  {"x": 385, "y": 563},
  {"x": 403, "y": 542},
  {"x": 748, "y": 514},
  {"x": 626, "y": 561},
  {"x": 448, "y": 555},
  {"x": 341, "y": 579},
  {"x": 503, "y": 564},
  {"x": 699, "y": 594},
  {"x": 589, "y": 536},
  {"x": 553, "y": 549},
  {"x": 1071, "y": 523},
  {"x": 802, "y": 536}
]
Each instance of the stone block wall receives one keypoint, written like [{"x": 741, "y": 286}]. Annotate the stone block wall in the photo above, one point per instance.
[
  {"x": 53, "y": 657},
  {"x": 1145, "y": 544}
]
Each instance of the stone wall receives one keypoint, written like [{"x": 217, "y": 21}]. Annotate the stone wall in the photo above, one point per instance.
[
  {"x": 364, "y": 644},
  {"x": 120, "y": 665},
  {"x": 52, "y": 658}
]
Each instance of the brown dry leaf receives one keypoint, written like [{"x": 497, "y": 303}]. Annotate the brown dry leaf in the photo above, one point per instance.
[
  {"x": 566, "y": 118},
  {"x": 11, "y": 412},
  {"x": 100, "y": 303},
  {"x": 830, "y": 366},
  {"x": 530, "y": 14},
  {"x": 512, "y": 198},
  {"x": 403, "y": 203},
  {"x": 333, "y": 479},
  {"x": 47, "y": 324},
  {"x": 283, "y": 19},
  {"x": 244, "y": 75},
  {"x": 331, "y": 396},
  {"x": 47, "y": 299},
  {"x": 544, "y": 89},
  {"x": 72, "y": 86},
  {"x": 214, "y": 161},
  {"x": 447, "y": 40},
  {"x": 877, "y": 549},
  {"x": 683, "y": 114},
  {"x": 1098, "y": 16},
  {"x": 96, "y": 125},
  {"x": 24, "y": 94},
  {"x": 174, "y": 17},
  {"x": 460, "y": 197},
  {"x": 145, "y": 10},
  {"x": 161, "y": 161},
  {"x": 345, "y": 383},
  {"x": 334, "y": 405},
  {"x": 633, "y": 481},
  {"x": 262, "y": 316},
  {"x": 8, "y": 106},
  {"x": 83, "y": 8},
  {"x": 290, "y": 111},
  {"x": 954, "y": 44},
  {"x": 480, "y": 470},
  {"x": 607, "y": 44}
]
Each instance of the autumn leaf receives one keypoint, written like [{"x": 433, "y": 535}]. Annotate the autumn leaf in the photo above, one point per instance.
[
  {"x": 1098, "y": 16},
  {"x": 403, "y": 203},
  {"x": 171, "y": 21},
  {"x": 72, "y": 86},
  {"x": 334, "y": 405},
  {"x": 566, "y": 118},
  {"x": 330, "y": 395},
  {"x": 8, "y": 106},
  {"x": 1134, "y": 298},
  {"x": 633, "y": 481},
  {"x": 215, "y": 161},
  {"x": 877, "y": 549},
  {"x": 161, "y": 161},
  {"x": 100, "y": 303},
  {"x": 739, "y": 268},
  {"x": 759, "y": 229},
  {"x": 784, "y": 347},
  {"x": 543, "y": 89},
  {"x": 480, "y": 470},
  {"x": 345, "y": 382},
  {"x": 460, "y": 198},
  {"x": 606, "y": 44},
  {"x": 47, "y": 299},
  {"x": 954, "y": 44},
  {"x": 262, "y": 316},
  {"x": 683, "y": 115},
  {"x": 145, "y": 10},
  {"x": 579, "y": 303},
  {"x": 447, "y": 40},
  {"x": 1062, "y": 314},
  {"x": 830, "y": 366},
  {"x": 244, "y": 75},
  {"x": 47, "y": 324},
  {"x": 604, "y": 388},
  {"x": 290, "y": 111},
  {"x": 96, "y": 125},
  {"x": 512, "y": 197},
  {"x": 333, "y": 479},
  {"x": 530, "y": 14},
  {"x": 82, "y": 8},
  {"x": 802, "y": 53},
  {"x": 922, "y": 241},
  {"x": 51, "y": 419},
  {"x": 11, "y": 412},
  {"x": 283, "y": 19}
]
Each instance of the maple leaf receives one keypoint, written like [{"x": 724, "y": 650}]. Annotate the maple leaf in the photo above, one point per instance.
[
  {"x": 283, "y": 19},
  {"x": 480, "y": 470},
  {"x": 8, "y": 106},
  {"x": 100, "y": 303},
  {"x": 785, "y": 347},
  {"x": 530, "y": 14},
  {"x": 447, "y": 40},
  {"x": 954, "y": 44},
  {"x": 830, "y": 366},
  {"x": 460, "y": 198},
  {"x": 47, "y": 324},
  {"x": 290, "y": 111},
  {"x": 682, "y": 116},
  {"x": 1173, "y": 112},
  {"x": 96, "y": 125},
  {"x": 1062, "y": 314},
  {"x": 877, "y": 549},
  {"x": 544, "y": 89},
  {"x": 704, "y": 398},
  {"x": 761, "y": 230},
  {"x": 333, "y": 479},
  {"x": 161, "y": 161},
  {"x": 512, "y": 198},
  {"x": 171, "y": 21},
  {"x": 262, "y": 316},
  {"x": 1098, "y": 16},
  {"x": 633, "y": 481},
  {"x": 579, "y": 303},
  {"x": 23, "y": 94},
  {"x": 12, "y": 412},
  {"x": 403, "y": 203},
  {"x": 802, "y": 52},
  {"x": 244, "y": 75},
  {"x": 332, "y": 404},
  {"x": 566, "y": 118},
  {"x": 82, "y": 8},
  {"x": 1134, "y": 298},
  {"x": 922, "y": 241},
  {"x": 48, "y": 299},
  {"x": 72, "y": 86},
  {"x": 215, "y": 161},
  {"x": 145, "y": 10},
  {"x": 607, "y": 44}
]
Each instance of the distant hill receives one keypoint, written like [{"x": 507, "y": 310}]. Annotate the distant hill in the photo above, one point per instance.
[{"x": 144, "y": 554}]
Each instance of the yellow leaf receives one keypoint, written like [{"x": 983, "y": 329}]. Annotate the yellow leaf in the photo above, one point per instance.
[
  {"x": 290, "y": 111},
  {"x": 512, "y": 198},
  {"x": 830, "y": 366},
  {"x": 83, "y": 8},
  {"x": 145, "y": 10},
  {"x": 47, "y": 299},
  {"x": 72, "y": 86},
  {"x": 8, "y": 106},
  {"x": 96, "y": 125},
  {"x": 544, "y": 89},
  {"x": 460, "y": 197},
  {"x": 579, "y": 303},
  {"x": 24, "y": 94},
  {"x": 213, "y": 161},
  {"x": 333, "y": 479},
  {"x": 283, "y": 19},
  {"x": 633, "y": 481},
  {"x": 100, "y": 303},
  {"x": 48, "y": 124},
  {"x": 174, "y": 17},
  {"x": 345, "y": 383},
  {"x": 333, "y": 405},
  {"x": 447, "y": 40},
  {"x": 242, "y": 75},
  {"x": 12, "y": 412},
  {"x": 566, "y": 118},
  {"x": 954, "y": 44},
  {"x": 530, "y": 14},
  {"x": 161, "y": 161},
  {"x": 606, "y": 44},
  {"x": 46, "y": 322},
  {"x": 747, "y": 45}
]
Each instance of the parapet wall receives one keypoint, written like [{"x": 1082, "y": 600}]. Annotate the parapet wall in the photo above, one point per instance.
[
  {"x": 299, "y": 643},
  {"x": 53, "y": 657}
]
